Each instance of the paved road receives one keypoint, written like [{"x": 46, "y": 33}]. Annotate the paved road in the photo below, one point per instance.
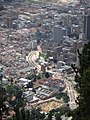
[
  {"x": 69, "y": 86},
  {"x": 31, "y": 58}
]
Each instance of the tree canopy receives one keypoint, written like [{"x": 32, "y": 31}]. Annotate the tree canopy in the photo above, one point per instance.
[
  {"x": 83, "y": 111},
  {"x": 84, "y": 58}
]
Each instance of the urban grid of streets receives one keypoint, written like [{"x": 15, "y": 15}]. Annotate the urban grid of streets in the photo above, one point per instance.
[{"x": 33, "y": 55}]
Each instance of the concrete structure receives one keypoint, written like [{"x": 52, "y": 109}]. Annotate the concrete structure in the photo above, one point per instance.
[
  {"x": 87, "y": 26},
  {"x": 58, "y": 33},
  {"x": 77, "y": 45},
  {"x": 69, "y": 30},
  {"x": 9, "y": 22},
  {"x": 24, "y": 82},
  {"x": 65, "y": 69},
  {"x": 43, "y": 68},
  {"x": 32, "y": 45},
  {"x": 47, "y": 88},
  {"x": 28, "y": 95},
  {"x": 5, "y": 81},
  {"x": 60, "y": 64}
]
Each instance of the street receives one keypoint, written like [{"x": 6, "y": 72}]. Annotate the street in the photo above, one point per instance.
[{"x": 72, "y": 93}]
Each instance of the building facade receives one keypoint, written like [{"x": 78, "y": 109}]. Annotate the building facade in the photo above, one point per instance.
[
  {"x": 87, "y": 27},
  {"x": 58, "y": 33}
]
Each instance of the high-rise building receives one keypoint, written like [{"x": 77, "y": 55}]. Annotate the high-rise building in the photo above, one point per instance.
[
  {"x": 87, "y": 27},
  {"x": 9, "y": 22},
  {"x": 58, "y": 33},
  {"x": 69, "y": 30}
]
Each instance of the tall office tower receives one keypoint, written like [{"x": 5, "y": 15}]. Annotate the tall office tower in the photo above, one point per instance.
[
  {"x": 9, "y": 22},
  {"x": 87, "y": 27},
  {"x": 69, "y": 30},
  {"x": 58, "y": 33}
]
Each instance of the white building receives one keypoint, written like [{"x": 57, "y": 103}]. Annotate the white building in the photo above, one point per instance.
[{"x": 24, "y": 81}]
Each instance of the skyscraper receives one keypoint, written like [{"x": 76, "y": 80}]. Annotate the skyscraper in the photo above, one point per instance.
[
  {"x": 58, "y": 33},
  {"x": 87, "y": 27}
]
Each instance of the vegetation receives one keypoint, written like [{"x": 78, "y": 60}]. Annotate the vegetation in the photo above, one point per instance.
[
  {"x": 33, "y": 77},
  {"x": 11, "y": 100},
  {"x": 84, "y": 58},
  {"x": 2, "y": 100},
  {"x": 64, "y": 96},
  {"x": 43, "y": 55},
  {"x": 47, "y": 75},
  {"x": 11, "y": 97},
  {"x": 57, "y": 113},
  {"x": 83, "y": 80}
]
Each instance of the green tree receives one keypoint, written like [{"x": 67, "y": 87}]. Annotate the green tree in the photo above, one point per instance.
[
  {"x": 50, "y": 115},
  {"x": 1, "y": 74},
  {"x": 83, "y": 111},
  {"x": 84, "y": 58},
  {"x": 57, "y": 116},
  {"x": 47, "y": 75},
  {"x": 83, "y": 80},
  {"x": 3, "y": 98}
]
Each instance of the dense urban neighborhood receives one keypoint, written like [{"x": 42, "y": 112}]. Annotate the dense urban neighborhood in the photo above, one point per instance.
[{"x": 44, "y": 59}]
